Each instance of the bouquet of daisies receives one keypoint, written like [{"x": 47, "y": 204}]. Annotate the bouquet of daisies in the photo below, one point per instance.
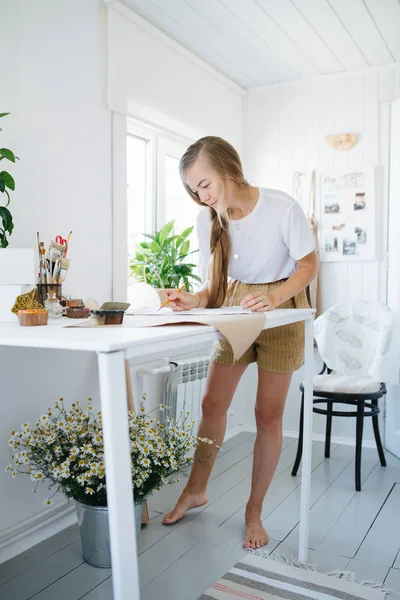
[{"x": 66, "y": 448}]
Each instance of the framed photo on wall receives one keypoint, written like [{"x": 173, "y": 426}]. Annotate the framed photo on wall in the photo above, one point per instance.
[{"x": 347, "y": 228}]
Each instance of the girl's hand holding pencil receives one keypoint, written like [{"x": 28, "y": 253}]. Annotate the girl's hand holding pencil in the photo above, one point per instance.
[{"x": 178, "y": 300}]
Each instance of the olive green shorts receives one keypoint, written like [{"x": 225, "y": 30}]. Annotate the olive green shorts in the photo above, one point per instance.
[{"x": 278, "y": 350}]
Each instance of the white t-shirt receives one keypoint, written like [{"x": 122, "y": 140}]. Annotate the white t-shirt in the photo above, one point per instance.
[{"x": 265, "y": 244}]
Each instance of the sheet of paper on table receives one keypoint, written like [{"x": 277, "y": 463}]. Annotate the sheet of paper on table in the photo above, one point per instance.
[
  {"x": 239, "y": 327},
  {"x": 224, "y": 310}
]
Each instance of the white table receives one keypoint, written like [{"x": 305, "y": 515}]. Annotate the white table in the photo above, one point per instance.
[{"x": 113, "y": 346}]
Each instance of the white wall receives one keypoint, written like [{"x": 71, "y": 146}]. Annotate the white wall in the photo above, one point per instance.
[
  {"x": 156, "y": 80},
  {"x": 284, "y": 129},
  {"x": 54, "y": 56},
  {"x": 283, "y": 132},
  {"x": 53, "y": 63}
]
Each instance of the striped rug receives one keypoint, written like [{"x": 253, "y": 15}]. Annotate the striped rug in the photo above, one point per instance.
[{"x": 256, "y": 578}]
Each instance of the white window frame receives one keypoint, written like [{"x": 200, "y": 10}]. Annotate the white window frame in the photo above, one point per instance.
[
  {"x": 165, "y": 147},
  {"x": 160, "y": 144},
  {"x": 138, "y": 131}
]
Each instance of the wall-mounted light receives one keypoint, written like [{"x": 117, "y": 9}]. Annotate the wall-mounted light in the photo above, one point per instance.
[{"x": 341, "y": 141}]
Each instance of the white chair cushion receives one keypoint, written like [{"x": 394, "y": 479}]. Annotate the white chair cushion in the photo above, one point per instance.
[
  {"x": 360, "y": 339},
  {"x": 345, "y": 384}
]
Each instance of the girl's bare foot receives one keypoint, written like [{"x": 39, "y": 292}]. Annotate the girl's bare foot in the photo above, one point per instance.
[
  {"x": 186, "y": 501},
  {"x": 256, "y": 536}
]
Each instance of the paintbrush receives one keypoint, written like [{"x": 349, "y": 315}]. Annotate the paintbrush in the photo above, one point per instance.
[
  {"x": 168, "y": 300},
  {"x": 64, "y": 254},
  {"x": 38, "y": 245}
]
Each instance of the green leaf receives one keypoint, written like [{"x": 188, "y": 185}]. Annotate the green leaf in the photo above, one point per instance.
[
  {"x": 145, "y": 245},
  {"x": 2, "y": 185},
  {"x": 185, "y": 234},
  {"x": 8, "y": 180},
  {"x": 7, "y": 194},
  {"x": 4, "y": 114},
  {"x": 8, "y": 154},
  {"x": 184, "y": 249},
  {"x": 6, "y": 217},
  {"x": 148, "y": 235},
  {"x": 154, "y": 247},
  {"x": 165, "y": 231}
]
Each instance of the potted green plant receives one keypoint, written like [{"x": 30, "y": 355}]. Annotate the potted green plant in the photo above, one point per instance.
[
  {"x": 17, "y": 265},
  {"x": 7, "y": 185},
  {"x": 65, "y": 448},
  {"x": 161, "y": 262}
]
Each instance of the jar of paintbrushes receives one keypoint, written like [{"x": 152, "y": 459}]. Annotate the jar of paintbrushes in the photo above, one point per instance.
[{"x": 53, "y": 268}]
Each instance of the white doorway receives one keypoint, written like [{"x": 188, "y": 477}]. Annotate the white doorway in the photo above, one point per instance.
[{"x": 392, "y": 421}]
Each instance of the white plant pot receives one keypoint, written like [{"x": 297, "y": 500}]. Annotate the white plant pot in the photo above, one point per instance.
[{"x": 17, "y": 276}]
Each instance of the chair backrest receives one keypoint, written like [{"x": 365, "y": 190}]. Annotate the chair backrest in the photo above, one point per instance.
[{"x": 361, "y": 339}]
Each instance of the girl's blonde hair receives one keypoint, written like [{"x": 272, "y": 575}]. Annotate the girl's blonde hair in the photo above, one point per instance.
[{"x": 225, "y": 161}]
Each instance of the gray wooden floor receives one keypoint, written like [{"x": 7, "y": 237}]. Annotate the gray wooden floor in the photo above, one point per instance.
[{"x": 359, "y": 532}]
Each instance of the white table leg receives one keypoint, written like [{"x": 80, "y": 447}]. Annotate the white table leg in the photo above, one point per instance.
[
  {"x": 307, "y": 442},
  {"x": 118, "y": 472}
]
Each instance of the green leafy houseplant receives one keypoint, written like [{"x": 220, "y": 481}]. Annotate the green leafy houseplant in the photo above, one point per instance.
[
  {"x": 6, "y": 183},
  {"x": 161, "y": 261}
]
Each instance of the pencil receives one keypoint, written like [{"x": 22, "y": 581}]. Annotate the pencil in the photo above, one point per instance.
[{"x": 167, "y": 301}]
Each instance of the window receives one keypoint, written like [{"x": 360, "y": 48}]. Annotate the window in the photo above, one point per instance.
[
  {"x": 172, "y": 199},
  {"x": 137, "y": 190},
  {"x": 155, "y": 194}
]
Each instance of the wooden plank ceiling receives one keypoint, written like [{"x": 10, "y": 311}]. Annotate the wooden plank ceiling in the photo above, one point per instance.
[{"x": 261, "y": 42}]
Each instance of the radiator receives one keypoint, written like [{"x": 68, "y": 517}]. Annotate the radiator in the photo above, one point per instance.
[{"x": 185, "y": 386}]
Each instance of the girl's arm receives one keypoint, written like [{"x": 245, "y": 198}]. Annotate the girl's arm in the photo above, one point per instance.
[
  {"x": 301, "y": 278},
  {"x": 306, "y": 271}
]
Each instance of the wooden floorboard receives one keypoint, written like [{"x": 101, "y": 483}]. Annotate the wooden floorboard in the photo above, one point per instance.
[
  {"x": 392, "y": 581},
  {"x": 355, "y": 521},
  {"x": 17, "y": 565},
  {"x": 384, "y": 533},
  {"x": 337, "y": 475},
  {"x": 43, "y": 574},
  {"x": 350, "y": 531}
]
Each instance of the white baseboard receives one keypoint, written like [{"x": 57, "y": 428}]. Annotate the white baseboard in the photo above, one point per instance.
[
  {"x": 317, "y": 437},
  {"x": 32, "y": 531}
]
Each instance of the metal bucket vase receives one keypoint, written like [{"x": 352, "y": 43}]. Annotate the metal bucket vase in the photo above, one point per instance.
[{"x": 95, "y": 537}]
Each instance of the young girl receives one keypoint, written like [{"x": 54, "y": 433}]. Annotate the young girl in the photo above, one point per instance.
[{"x": 260, "y": 253}]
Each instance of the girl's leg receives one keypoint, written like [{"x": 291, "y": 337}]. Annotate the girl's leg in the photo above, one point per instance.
[
  {"x": 221, "y": 384},
  {"x": 271, "y": 397}
]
